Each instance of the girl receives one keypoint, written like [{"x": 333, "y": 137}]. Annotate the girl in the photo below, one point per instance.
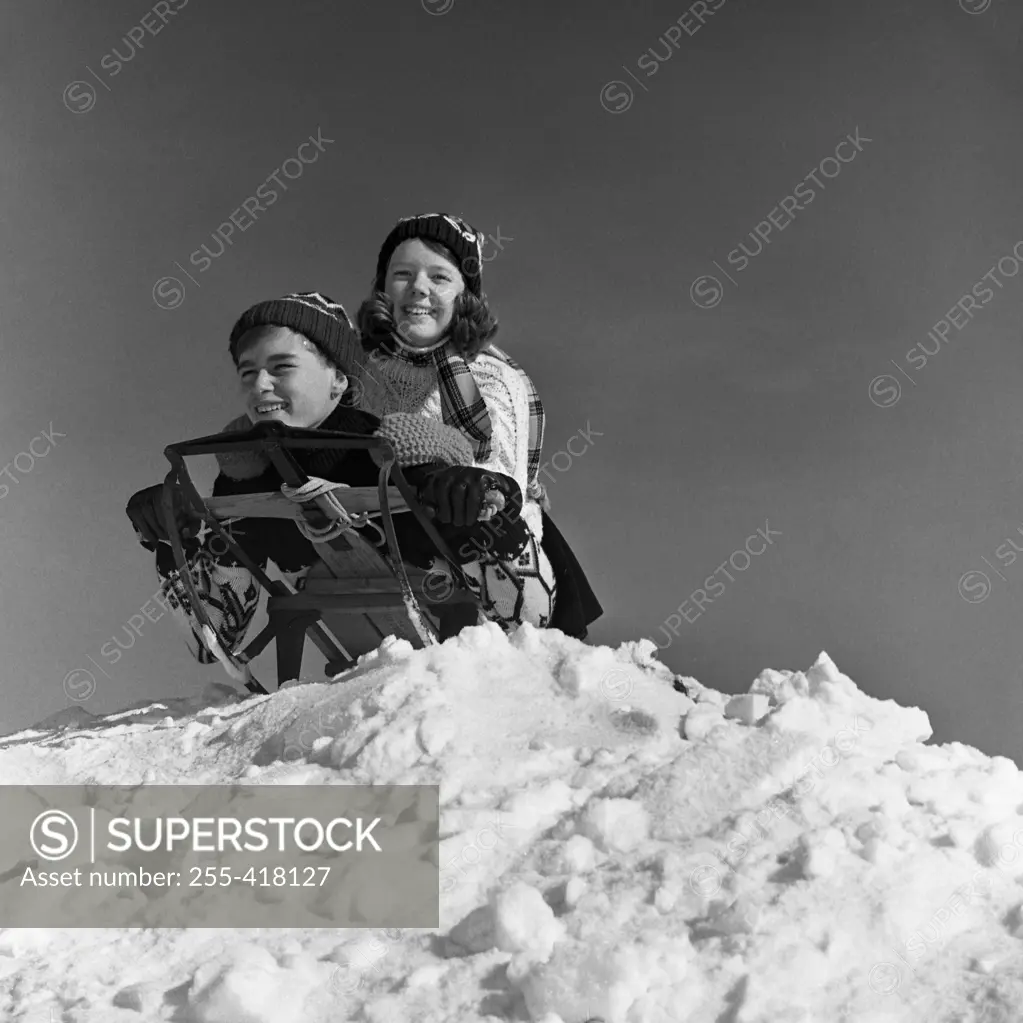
[{"x": 426, "y": 347}]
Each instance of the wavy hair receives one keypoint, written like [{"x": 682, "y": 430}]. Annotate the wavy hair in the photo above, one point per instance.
[{"x": 472, "y": 326}]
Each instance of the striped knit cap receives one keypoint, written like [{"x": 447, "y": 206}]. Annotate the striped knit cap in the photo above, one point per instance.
[
  {"x": 316, "y": 316},
  {"x": 461, "y": 238}
]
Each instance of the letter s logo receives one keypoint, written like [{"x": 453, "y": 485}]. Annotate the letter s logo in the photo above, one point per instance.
[
  {"x": 885, "y": 390},
  {"x": 616, "y": 100}
]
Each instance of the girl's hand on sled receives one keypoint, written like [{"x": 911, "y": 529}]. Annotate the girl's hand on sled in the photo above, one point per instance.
[
  {"x": 463, "y": 495},
  {"x": 145, "y": 510},
  {"x": 493, "y": 504}
]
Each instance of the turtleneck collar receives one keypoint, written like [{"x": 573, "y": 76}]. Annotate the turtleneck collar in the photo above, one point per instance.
[
  {"x": 417, "y": 356},
  {"x": 348, "y": 420}
]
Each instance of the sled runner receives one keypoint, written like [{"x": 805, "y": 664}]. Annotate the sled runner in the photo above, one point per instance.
[{"x": 359, "y": 592}]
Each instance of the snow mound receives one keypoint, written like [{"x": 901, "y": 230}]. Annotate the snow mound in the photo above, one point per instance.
[{"x": 612, "y": 851}]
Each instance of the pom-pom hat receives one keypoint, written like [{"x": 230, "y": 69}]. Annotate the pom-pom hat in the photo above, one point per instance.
[{"x": 460, "y": 237}]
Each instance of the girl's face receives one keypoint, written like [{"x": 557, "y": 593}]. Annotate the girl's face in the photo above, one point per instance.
[
  {"x": 284, "y": 378},
  {"x": 423, "y": 286}
]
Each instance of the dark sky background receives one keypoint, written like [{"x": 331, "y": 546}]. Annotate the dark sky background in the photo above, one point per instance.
[{"x": 713, "y": 420}]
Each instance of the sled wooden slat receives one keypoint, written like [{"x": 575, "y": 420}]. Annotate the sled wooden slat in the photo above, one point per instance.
[
  {"x": 273, "y": 505},
  {"x": 382, "y": 614},
  {"x": 344, "y": 600}
]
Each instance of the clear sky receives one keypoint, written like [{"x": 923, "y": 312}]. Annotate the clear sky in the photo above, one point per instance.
[{"x": 710, "y": 414}]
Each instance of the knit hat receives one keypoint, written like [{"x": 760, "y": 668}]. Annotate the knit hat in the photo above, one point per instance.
[
  {"x": 461, "y": 238},
  {"x": 318, "y": 317}
]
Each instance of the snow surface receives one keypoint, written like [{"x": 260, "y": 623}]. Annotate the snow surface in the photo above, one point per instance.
[{"x": 611, "y": 850}]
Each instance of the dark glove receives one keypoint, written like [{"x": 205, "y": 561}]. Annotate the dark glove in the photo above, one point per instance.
[
  {"x": 457, "y": 494},
  {"x": 444, "y": 490},
  {"x": 145, "y": 510}
]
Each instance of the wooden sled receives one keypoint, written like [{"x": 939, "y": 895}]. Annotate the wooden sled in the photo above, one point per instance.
[{"x": 359, "y": 592}]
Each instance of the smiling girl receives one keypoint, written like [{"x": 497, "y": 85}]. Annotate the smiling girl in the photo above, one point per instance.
[{"x": 427, "y": 347}]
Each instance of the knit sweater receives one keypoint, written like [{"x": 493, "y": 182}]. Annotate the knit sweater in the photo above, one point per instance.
[{"x": 385, "y": 386}]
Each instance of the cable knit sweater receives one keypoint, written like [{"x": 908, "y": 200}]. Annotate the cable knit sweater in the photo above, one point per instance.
[{"x": 384, "y": 386}]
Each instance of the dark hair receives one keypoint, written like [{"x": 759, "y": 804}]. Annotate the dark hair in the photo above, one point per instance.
[{"x": 472, "y": 325}]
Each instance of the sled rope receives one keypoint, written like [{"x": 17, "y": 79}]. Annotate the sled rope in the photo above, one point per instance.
[{"x": 313, "y": 488}]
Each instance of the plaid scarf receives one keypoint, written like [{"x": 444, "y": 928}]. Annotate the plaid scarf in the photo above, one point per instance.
[{"x": 463, "y": 407}]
